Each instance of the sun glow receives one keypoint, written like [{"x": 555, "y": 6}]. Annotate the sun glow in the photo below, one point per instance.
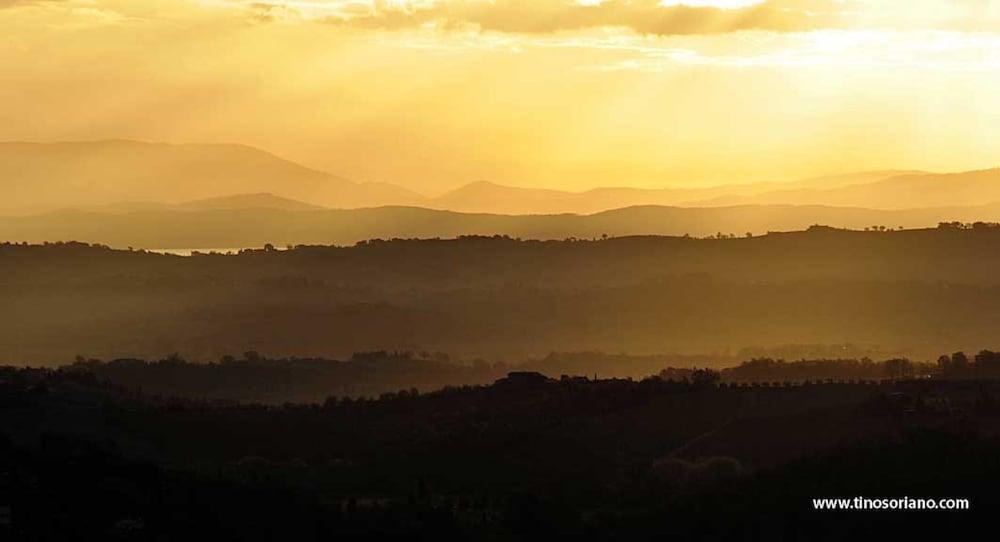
[
  {"x": 724, "y": 4},
  {"x": 554, "y": 93}
]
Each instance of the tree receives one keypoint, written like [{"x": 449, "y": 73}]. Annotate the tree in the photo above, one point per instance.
[
  {"x": 704, "y": 378},
  {"x": 944, "y": 365},
  {"x": 959, "y": 361},
  {"x": 898, "y": 368},
  {"x": 988, "y": 361},
  {"x": 174, "y": 359}
]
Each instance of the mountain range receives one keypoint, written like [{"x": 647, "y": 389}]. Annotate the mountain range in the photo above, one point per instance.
[
  {"x": 487, "y": 197},
  {"x": 157, "y": 195},
  {"x": 46, "y": 176},
  {"x": 38, "y": 177}
]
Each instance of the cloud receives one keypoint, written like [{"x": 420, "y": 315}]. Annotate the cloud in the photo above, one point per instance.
[
  {"x": 263, "y": 12},
  {"x": 647, "y": 17},
  {"x": 66, "y": 14},
  {"x": 642, "y": 16},
  {"x": 17, "y": 3},
  {"x": 526, "y": 17}
]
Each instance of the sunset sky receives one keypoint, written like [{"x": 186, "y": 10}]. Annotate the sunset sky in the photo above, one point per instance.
[{"x": 555, "y": 93}]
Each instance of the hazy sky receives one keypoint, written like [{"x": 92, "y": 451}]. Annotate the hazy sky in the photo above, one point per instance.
[{"x": 559, "y": 93}]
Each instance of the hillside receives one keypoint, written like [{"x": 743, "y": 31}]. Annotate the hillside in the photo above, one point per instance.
[
  {"x": 918, "y": 292},
  {"x": 503, "y": 461}
]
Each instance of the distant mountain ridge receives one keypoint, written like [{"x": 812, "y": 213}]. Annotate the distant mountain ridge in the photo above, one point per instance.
[
  {"x": 487, "y": 197},
  {"x": 47, "y": 176},
  {"x": 37, "y": 177},
  {"x": 904, "y": 191}
]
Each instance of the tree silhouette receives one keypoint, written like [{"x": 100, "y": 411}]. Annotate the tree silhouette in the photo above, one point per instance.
[{"x": 898, "y": 368}]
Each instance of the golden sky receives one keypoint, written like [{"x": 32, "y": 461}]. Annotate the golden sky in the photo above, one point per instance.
[{"x": 557, "y": 93}]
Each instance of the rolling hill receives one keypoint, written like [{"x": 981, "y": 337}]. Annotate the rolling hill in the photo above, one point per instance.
[
  {"x": 253, "y": 221},
  {"x": 916, "y": 291}
]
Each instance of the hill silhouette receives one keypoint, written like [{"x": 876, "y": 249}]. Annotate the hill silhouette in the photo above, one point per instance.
[
  {"x": 605, "y": 459},
  {"x": 255, "y": 220}
]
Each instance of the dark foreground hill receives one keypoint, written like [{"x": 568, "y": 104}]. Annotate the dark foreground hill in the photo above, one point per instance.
[
  {"x": 251, "y": 378},
  {"x": 917, "y": 292},
  {"x": 523, "y": 458}
]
